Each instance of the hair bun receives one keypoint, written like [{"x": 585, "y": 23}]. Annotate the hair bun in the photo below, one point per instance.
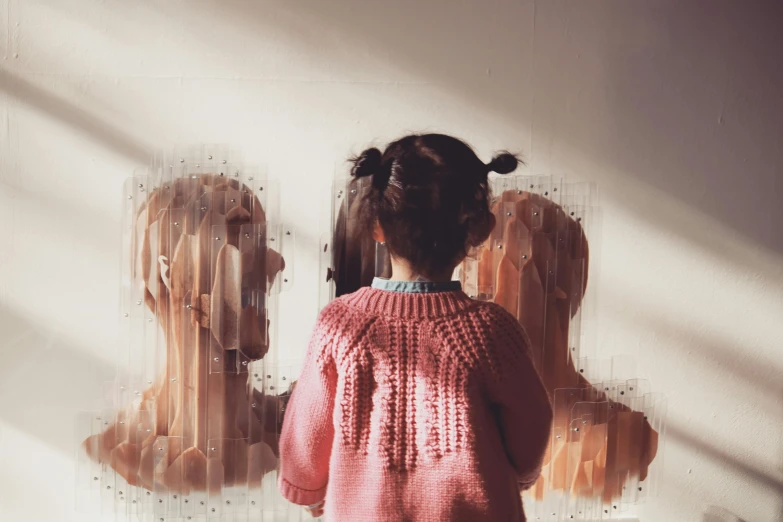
[
  {"x": 367, "y": 163},
  {"x": 503, "y": 163}
]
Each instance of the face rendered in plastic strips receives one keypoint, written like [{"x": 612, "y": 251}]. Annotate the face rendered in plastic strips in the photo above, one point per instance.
[{"x": 199, "y": 253}]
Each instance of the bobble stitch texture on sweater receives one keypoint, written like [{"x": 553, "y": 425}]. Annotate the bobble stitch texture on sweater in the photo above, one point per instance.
[{"x": 414, "y": 387}]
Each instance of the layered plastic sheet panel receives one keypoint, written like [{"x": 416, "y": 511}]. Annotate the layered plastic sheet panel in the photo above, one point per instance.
[
  {"x": 545, "y": 249},
  {"x": 541, "y": 263},
  {"x": 203, "y": 261}
]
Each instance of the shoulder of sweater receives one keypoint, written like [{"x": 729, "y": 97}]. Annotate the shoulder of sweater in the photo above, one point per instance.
[
  {"x": 504, "y": 329},
  {"x": 342, "y": 318}
]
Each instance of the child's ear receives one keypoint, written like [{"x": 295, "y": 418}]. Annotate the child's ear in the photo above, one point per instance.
[{"x": 377, "y": 233}]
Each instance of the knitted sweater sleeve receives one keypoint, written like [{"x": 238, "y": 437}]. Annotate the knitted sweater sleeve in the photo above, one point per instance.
[
  {"x": 523, "y": 410},
  {"x": 308, "y": 430}
]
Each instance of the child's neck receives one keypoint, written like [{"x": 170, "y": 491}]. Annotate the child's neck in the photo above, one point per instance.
[{"x": 401, "y": 271}]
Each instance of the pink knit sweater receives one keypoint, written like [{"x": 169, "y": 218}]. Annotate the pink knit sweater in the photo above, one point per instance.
[{"x": 415, "y": 407}]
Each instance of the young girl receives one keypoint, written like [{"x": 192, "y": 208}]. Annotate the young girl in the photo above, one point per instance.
[{"x": 417, "y": 403}]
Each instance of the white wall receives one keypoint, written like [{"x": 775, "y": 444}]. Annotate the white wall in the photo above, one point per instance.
[{"x": 674, "y": 108}]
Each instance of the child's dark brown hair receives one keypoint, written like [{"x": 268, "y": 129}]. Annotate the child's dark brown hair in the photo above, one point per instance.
[{"x": 430, "y": 195}]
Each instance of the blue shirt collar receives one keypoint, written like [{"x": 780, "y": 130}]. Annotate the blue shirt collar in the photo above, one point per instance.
[{"x": 416, "y": 287}]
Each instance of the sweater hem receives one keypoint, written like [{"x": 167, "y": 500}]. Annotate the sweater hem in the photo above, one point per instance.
[{"x": 300, "y": 496}]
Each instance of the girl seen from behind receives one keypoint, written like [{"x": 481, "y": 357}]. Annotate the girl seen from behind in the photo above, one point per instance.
[{"x": 416, "y": 402}]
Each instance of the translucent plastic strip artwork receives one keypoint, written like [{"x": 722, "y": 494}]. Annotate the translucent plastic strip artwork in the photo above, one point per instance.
[
  {"x": 536, "y": 264},
  {"x": 189, "y": 428}
]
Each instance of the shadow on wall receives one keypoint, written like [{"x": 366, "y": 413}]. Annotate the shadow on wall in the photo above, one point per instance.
[
  {"x": 680, "y": 96},
  {"x": 111, "y": 137},
  {"x": 65, "y": 377},
  {"x": 716, "y": 514},
  {"x": 724, "y": 361}
]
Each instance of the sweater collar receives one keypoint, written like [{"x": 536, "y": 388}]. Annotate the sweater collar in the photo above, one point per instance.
[{"x": 408, "y": 305}]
